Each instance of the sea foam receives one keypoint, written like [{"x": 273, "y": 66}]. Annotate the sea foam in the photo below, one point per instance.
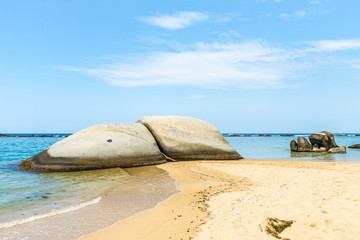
[{"x": 49, "y": 214}]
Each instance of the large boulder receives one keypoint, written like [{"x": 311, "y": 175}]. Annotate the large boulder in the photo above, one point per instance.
[
  {"x": 331, "y": 139},
  {"x": 303, "y": 145},
  {"x": 319, "y": 139},
  {"x": 323, "y": 139},
  {"x": 186, "y": 138},
  {"x": 99, "y": 146}
]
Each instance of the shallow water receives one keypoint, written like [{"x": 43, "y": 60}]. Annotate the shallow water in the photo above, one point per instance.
[
  {"x": 278, "y": 147},
  {"x": 144, "y": 188},
  {"x": 31, "y": 198}
]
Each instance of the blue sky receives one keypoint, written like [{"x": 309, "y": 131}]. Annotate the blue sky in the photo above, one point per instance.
[{"x": 244, "y": 66}]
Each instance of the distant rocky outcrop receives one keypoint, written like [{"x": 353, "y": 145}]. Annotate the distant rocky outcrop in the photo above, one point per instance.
[
  {"x": 32, "y": 135},
  {"x": 186, "y": 138},
  {"x": 357, "y": 146},
  {"x": 320, "y": 142},
  {"x": 152, "y": 140},
  {"x": 236, "y": 135}
]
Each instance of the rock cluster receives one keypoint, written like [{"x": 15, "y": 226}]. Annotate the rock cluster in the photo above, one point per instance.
[
  {"x": 151, "y": 140},
  {"x": 319, "y": 142}
]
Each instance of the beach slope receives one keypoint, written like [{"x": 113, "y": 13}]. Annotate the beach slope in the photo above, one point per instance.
[{"x": 251, "y": 200}]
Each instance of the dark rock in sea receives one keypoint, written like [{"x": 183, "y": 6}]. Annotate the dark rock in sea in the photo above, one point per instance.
[
  {"x": 264, "y": 135},
  {"x": 287, "y": 135},
  {"x": 357, "y": 146},
  {"x": 323, "y": 139},
  {"x": 340, "y": 135},
  {"x": 319, "y": 139},
  {"x": 332, "y": 143},
  {"x": 293, "y": 146},
  {"x": 320, "y": 142},
  {"x": 357, "y": 135},
  {"x": 303, "y": 145}
]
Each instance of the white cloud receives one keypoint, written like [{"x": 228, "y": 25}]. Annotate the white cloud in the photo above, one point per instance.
[
  {"x": 177, "y": 20},
  {"x": 251, "y": 65},
  {"x": 246, "y": 65},
  {"x": 334, "y": 45}
]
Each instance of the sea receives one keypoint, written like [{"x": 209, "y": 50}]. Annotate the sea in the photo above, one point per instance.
[{"x": 66, "y": 205}]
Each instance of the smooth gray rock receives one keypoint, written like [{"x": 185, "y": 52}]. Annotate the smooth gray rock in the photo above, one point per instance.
[
  {"x": 186, "y": 138},
  {"x": 341, "y": 149},
  {"x": 99, "y": 146},
  {"x": 303, "y": 145},
  {"x": 293, "y": 146},
  {"x": 357, "y": 146}
]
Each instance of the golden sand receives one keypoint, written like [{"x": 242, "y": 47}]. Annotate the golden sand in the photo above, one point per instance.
[{"x": 251, "y": 200}]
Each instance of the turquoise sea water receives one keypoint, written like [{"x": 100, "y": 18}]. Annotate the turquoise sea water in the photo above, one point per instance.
[
  {"x": 25, "y": 195},
  {"x": 278, "y": 147},
  {"x": 29, "y": 198}
]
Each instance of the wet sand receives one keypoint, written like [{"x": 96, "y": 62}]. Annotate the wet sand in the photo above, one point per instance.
[
  {"x": 251, "y": 200},
  {"x": 123, "y": 193}
]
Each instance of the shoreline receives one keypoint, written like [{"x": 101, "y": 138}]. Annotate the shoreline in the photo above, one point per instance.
[
  {"x": 232, "y": 199},
  {"x": 195, "y": 190},
  {"x": 129, "y": 187}
]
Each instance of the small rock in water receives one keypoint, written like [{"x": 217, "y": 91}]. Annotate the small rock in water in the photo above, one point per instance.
[
  {"x": 109, "y": 140},
  {"x": 357, "y": 146},
  {"x": 44, "y": 196},
  {"x": 341, "y": 149}
]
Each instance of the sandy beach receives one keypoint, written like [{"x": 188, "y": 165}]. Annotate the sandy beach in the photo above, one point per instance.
[{"x": 254, "y": 199}]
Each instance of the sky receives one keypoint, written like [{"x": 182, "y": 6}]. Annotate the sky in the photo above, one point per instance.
[{"x": 249, "y": 66}]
